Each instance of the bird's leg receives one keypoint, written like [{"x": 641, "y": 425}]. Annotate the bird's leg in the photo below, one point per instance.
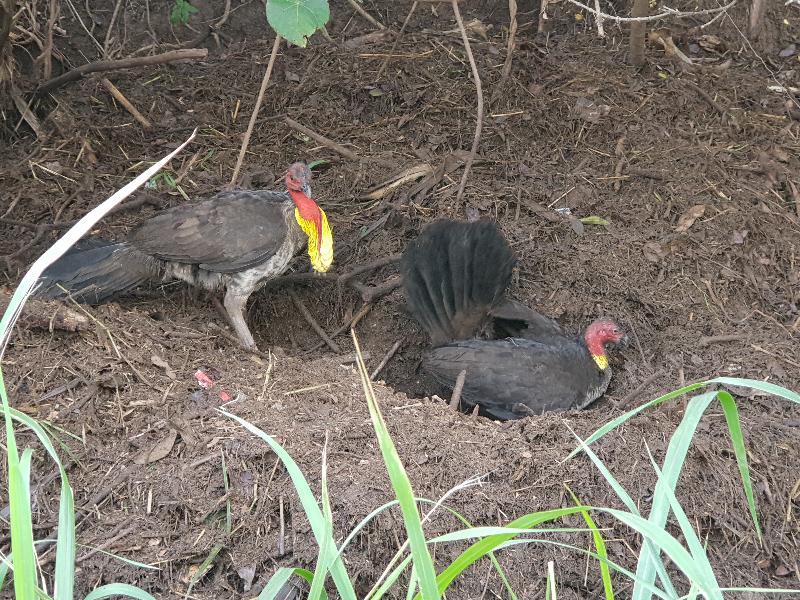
[{"x": 234, "y": 306}]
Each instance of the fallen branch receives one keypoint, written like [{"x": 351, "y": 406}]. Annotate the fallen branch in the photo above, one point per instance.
[
  {"x": 372, "y": 293},
  {"x": 115, "y": 65},
  {"x": 720, "y": 339},
  {"x": 256, "y": 108},
  {"x": 479, "y": 90},
  {"x": 314, "y": 325},
  {"x": 338, "y": 148},
  {"x": 392, "y": 351},
  {"x": 341, "y": 278},
  {"x": 666, "y": 12},
  {"x": 126, "y": 104}
]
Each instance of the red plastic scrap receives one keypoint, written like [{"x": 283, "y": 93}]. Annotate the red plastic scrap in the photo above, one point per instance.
[{"x": 203, "y": 380}]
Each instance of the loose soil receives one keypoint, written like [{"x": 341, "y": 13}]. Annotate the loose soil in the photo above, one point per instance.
[{"x": 574, "y": 130}]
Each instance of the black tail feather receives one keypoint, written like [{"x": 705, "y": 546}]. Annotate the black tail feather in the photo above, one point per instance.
[
  {"x": 94, "y": 271},
  {"x": 453, "y": 273}
]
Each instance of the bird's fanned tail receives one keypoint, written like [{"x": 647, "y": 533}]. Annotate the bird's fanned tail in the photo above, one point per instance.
[
  {"x": 453, "y": 274},
  {"x": 93, "y": 271}
]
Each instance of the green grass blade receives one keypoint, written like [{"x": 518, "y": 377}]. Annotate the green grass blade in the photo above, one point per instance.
[
  {"x": 413, "y": 584},
  {"x": 280, "y": 578},
  {"x": 550, "y": 589},
  {"x": 599, "y": 545},
  {"x": 623, "y": 495},
  {"x": 402, "y": 488},
  {"x": 390, "y": 580},
  {"x": 204, "y": 568},
  {"x": 763, "y": 386},
  {"x": 737, "y": 441},
  {"x": 481, "y": 548},
  {"x": 307, "y": 500},
  {"x": 327, "y": 549},
  {"x": 709, "y": 580},
  {"x": 118, "y": 589},
  {"x": 65, "y": 545},
  {"x": 673, "y": 464},
  {"x": 614, "y": 423},
  {"x": 614, "y": 566},
  {"x": 19, "y": 501}
]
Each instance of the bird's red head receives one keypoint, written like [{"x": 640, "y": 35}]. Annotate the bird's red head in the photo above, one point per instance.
[
  {"x": 298, "y": 178},
  {"x": 597, "y": 335}
]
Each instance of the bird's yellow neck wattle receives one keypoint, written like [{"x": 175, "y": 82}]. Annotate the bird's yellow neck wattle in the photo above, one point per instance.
[
  {"x": 601, "y": 360},
  {"x": 320, "y": 238}
]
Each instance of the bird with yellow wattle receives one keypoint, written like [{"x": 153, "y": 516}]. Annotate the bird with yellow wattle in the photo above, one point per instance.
[{"x": 236, "y": 240}]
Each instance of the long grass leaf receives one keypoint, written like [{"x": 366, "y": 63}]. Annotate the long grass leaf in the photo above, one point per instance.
[
  {"x": 19, "y": 501},
  {"x": 391, "y": 579},
  {"x": 614, "y": 423},
  {"x": 600, "y": 547},
  {"x": 276, "y": 582},
  {"x": 118, "y": 589},
  {"x": 737, "y": 441},
  {"x": 327, "y": 549},
  {"x": 623, "y": 495},
  {"x": 709, "y": 581},
  {"x": 482, "y": 547},
  {"x": 673, "y": 464},
  {"x": 402, "y": 488},
  {"x": 65, "y": 545},
  {"x": 307, "y": 501},
  {"x": 763, "y": 386}
]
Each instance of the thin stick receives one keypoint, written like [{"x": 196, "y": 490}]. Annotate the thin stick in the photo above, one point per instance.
[
  {"x": 512, "y": 33},
  {"x": 479, "y": 91},
  {"x": 599, "y": 18},
  {"x": 338, "y": 148},
  {"x": 720, "y": 339},
  {"x": 349, "y": 325},
  {"x": 314, "y": 325},
  {"x": 392, "y": 351},
  {"x": 115, "y": 65},
  {"x": 256, "y": 108},
  {"x": 111, "y": 27},
  {"x": 396, "y": 40},
  {"x": 638, "y": 391},
  {"x": 47, "y": 54},
  {"x": 455, "y": 399},
  {"x": 360, "y": 10},
  {"x": 126, "y": 104}
]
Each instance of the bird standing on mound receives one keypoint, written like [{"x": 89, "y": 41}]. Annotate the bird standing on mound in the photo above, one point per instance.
[
  {"x": 455, "y": 275},
  {"x": 236, "y": 241}
]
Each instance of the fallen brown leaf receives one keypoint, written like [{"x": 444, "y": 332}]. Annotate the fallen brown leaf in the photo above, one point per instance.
[{"x": 689, "y": 217}]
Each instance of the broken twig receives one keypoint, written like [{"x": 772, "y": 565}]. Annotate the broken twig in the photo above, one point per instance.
[
  {"x": 126, "y": 104},
  {"x": 115, "y": 65},
  {"x": 479, "y": 90},
  {"x": 338, "y": 148},
  {"x": 392, "y": 351},
  {"x": 256, "y": 108},
  {"x": 314, "y": 325}
]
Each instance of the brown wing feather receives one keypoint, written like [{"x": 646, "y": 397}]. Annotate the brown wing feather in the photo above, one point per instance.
[{"x": 231, "y": 232}]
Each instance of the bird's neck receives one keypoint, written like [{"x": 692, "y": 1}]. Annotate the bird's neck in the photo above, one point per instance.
[{"x": 597, "y": 350}]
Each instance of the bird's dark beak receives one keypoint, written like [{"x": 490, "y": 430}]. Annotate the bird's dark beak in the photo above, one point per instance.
[
  {"x": 307, "y": 189},
  {"x": 624, "y": 342}
]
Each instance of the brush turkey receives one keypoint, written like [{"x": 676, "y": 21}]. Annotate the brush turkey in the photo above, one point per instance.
[
  {"x": 517, "y": 361},
  {"x": 236, "y": 241}
]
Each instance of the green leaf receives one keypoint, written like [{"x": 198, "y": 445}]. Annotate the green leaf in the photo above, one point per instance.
[
  {"x": 593, "y": 220},
  {"x": 423, "y": 563},
  {"x": 297, "y": 20},
  {"x": 600, "y": 546},
  {"x": 181, "y": 12},
  {"x": 737, "y": 441}
]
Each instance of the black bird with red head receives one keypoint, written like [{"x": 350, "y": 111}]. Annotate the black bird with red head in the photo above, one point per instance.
[{"x": 517, "y": 361}]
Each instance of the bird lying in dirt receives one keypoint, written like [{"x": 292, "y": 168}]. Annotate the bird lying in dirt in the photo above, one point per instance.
[
  {"x": 455, "y": 275},
  {"x": 236, "y": 241}
]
